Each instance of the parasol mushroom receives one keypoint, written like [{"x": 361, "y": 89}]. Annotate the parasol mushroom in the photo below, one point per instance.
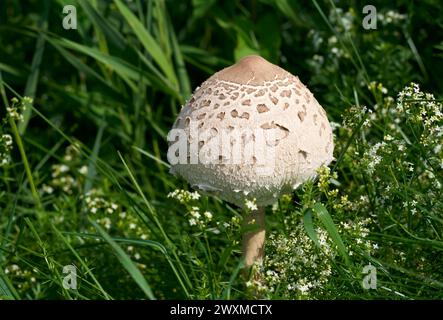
[{"x": 250, "y": 131}]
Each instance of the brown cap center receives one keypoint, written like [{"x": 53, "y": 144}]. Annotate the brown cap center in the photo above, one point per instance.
[{"x": 252, "y": 70}]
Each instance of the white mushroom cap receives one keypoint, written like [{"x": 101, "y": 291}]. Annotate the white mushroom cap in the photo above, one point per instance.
[{"x": 258, "y": 97}]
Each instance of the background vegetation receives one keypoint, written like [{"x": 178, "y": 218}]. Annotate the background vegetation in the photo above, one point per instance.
[{"x": 83, "y": 177}]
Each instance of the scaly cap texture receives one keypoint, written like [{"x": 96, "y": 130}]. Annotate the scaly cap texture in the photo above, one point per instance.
[{"x": 256, "y": 97}]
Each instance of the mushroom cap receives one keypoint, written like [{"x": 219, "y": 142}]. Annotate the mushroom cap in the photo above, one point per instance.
[{"x": 252, "y": 102}]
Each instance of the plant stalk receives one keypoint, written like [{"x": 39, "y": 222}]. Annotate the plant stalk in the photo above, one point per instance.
[
  {"x": 21, "y": 148},
  {"x": 254, "y": 241}
]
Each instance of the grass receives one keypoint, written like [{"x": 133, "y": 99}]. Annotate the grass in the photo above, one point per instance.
[{"x": 86, "y": 183}]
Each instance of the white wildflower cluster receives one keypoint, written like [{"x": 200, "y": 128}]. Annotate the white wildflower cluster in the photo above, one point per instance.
[
  {"x": 377, "y": 87},
  {"x": 295, "y": 266},
  {"x": 5, "y": 149},
  {"x": 61, "y": 179},
  {"x": 411, "y": 144},
  {"x": 135, "y": 254},
  {"x": 251, "y": 204},
  {"x": 199, "y": 219},
  {"x": 96, "y": 202},
  {"x": 423, "y": 109},
  {"x": 342, "y": 21},
  {"x": 202, "y": 219},
  {"x": 24, "y": 278},
  {"x": 372, "y": 156},
  {"x": 110, "y": 214},
  {"x": 184, "y": 196},
  {"x": 354, "y": 116},
  {"x": 411, "y": 206},
  {"x": 18, "y": 107},
  {"x": 391, "y": 17},
  {"x": 358, "y": 231},
  {"x": 65, "y": 176}
]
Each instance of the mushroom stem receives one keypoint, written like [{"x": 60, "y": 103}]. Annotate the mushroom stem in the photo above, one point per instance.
[{"x": 254, "y": 241}]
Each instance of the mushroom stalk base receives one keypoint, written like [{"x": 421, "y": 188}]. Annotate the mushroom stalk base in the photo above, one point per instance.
[{"x": 254, "y": 241}]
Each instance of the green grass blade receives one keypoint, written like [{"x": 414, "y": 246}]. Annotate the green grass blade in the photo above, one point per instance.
[
  {"x": 126, "y": 262},
  {"x": 154, "y": 216},
  {"x": 126, "y": 71},
  {"x": 324, "y": 216},
  {"x": 148, "y": 42},
  {"x": 31, "y": 84},
  {"x": 154, "y": 244},
  {"x": 82, "y": 262},
  {"x": 309, "y": 227},
  {"x": 153, "y": 157},
  {"x": 114, "y": 37},
  {"x": 7, "y": 291},
  {"x": 234, "y": 275},
  {"x": 93, "y": 159}
]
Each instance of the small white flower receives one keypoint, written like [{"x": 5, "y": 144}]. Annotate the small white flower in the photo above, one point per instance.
[
  {"x": 195, "y": 214},
  {"x": 83, "y": 170},
  {"x": 195, "y": 195},
  {"x": 107, "y": 223},
  {"x": 47, "y": 189},
  {"x": 303, "y": 288},
  {"x": 251, "y": 205},
  {"x": 208, "y": 215},
  {"x": 63, "y": 168}
]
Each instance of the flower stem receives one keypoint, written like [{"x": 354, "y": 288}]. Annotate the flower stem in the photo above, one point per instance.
[{"x": 21, "y": 148}]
